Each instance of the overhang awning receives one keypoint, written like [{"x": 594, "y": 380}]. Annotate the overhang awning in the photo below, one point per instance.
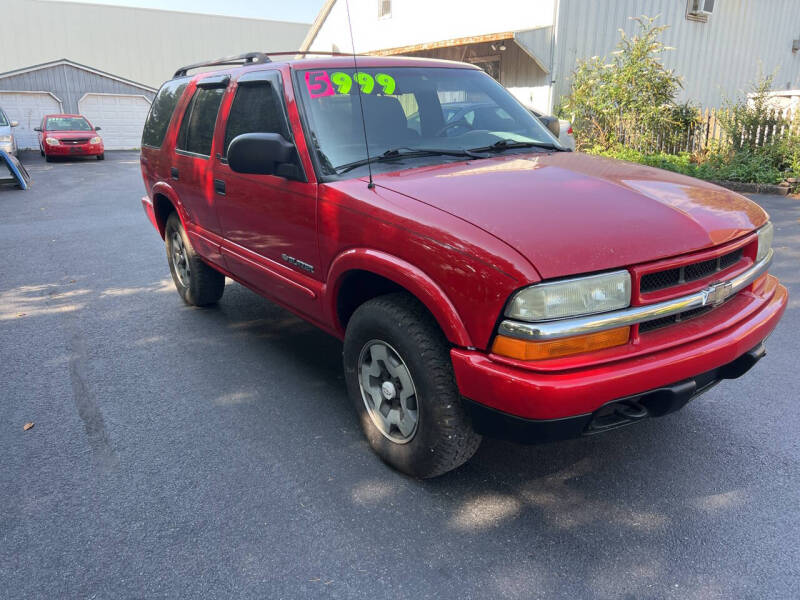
[
  {"x": 537, "y": 43},
  {"x": 463, "y": 41}
]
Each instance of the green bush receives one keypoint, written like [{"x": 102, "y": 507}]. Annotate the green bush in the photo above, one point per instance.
[
  {"x": 629, "y": 96},
  {"x": 624, "y": 106},
  {"x": 744, "y": 166}
]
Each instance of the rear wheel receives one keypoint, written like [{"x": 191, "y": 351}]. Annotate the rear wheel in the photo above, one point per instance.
[
  {"x": 196, "y": 282},
  {"x": 48, "y": 158},
  {"x": 400, "y": 380},
  {"x": 101, "y": 156}
]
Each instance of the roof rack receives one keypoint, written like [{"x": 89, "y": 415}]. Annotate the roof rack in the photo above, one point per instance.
[{"x": 252, "y": 58}]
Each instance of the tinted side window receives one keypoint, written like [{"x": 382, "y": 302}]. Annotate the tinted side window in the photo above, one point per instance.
[
  {"x": 197, "y": 128},
  {"x": 155, "y": 128},
  {"x": 256, "y": 109}
]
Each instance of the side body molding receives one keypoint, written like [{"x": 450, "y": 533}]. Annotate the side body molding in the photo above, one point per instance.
[{"x": 404, "y": 274}]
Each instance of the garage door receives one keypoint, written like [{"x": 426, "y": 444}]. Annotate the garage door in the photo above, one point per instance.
[
  {"x": 120, "y": 118},
  {"x": 28, "y": 108}
]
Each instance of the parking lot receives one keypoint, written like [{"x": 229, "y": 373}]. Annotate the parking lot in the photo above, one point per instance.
[{"x": 204, "y": 453}]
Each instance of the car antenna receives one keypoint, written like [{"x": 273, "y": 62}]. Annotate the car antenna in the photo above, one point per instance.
[{"x": 371, "y": 184}]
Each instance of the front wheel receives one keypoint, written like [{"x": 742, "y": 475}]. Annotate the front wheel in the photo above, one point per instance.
[
  {"x": 101, "y": 156},
  {"x": 400, "y": 379},
  {"x": 196, "y": 282}
]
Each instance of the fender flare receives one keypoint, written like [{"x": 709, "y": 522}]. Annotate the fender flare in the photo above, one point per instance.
[
  {"x": 404, "y": 274},
  {"x": 164, "y": 189}
]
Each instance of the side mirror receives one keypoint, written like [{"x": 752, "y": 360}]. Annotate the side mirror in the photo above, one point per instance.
[
  {"x": 14, "y": 123},
  {"x": 261, "y": 154},
  {"x": 39, "y": 129},
  {"x": 97, "y": 128},
  {"x": 553, "y": 124}
]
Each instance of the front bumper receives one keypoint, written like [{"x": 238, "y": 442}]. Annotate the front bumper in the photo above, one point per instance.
[
  {"x": 617, "y": 413},
  {"x": 581, "y": 390},
  {"x": 74, "y": 149}
]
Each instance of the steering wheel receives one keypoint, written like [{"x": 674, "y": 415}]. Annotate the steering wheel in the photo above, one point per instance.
[{"x": 457, "y": 123}]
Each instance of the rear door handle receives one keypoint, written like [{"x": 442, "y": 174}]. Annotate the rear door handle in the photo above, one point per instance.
[
  {"x": 174, "y": 172},
  {"x": 219, "y": 187}
]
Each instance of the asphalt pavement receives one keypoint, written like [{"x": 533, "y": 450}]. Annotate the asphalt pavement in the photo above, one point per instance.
[{"x": 212, "y": 453}]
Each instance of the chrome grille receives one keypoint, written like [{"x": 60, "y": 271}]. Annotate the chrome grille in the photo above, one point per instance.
[
  {"x": 672, "y": 319},
  {"x": 672, "y": 277}
]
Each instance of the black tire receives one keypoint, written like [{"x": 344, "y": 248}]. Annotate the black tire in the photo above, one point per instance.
[
  {"x": 41, "y": 151},
  {"x": 101, "y": 156},
  {"x": 203, "y": 285},
  {"x": 48, "y": 158},
  {"x": 443, "y": 438}
]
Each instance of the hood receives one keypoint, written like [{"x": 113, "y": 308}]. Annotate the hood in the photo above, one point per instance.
[
  {"x": 5, "y": 130},
  {"x": 70, "y": 134},
  {"x": 570, "y": 213}
]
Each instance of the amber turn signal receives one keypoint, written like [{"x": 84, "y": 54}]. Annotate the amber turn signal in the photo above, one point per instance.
[{"x": 532, "y": 350}]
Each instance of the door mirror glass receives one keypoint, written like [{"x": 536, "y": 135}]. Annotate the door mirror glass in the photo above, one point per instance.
[
  {"x": 97, "y": 128},
  {"x": 39, "y": 129},
  {"x": 262, "y": 154}
]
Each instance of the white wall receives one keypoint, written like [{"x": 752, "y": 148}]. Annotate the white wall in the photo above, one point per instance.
[
  {"x": 423, "y": 21},
  {"x": 145, "y": 46},
  {"x": 717, "y": 59}
]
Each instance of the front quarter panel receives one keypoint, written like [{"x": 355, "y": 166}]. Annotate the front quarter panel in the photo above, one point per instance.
[{"x": 473, "y": 271}]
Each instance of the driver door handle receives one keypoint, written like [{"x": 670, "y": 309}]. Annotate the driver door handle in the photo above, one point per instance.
[{"x": 219, "y": 187}]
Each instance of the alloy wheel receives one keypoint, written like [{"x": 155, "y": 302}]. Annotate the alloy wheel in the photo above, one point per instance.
[{"x": 388, "y": 391}]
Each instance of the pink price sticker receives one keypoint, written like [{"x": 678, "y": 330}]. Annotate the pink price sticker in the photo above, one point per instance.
[{"x": 319, "y": 84}]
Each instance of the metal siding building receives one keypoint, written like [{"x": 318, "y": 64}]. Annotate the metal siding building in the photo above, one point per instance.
[
  {"x": 70, "y": 82},
  {"x": 142, "y": 45},
  {"x": 543, "y": 39},
  {"x": 116, "y": 58},
  {"x": 118, "y": 106}
]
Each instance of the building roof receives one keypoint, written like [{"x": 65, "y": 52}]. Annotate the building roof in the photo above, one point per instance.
[{"x": 66, "y": 61}]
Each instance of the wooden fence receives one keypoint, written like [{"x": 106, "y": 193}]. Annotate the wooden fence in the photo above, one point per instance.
[{"x": 708, "y": 130}]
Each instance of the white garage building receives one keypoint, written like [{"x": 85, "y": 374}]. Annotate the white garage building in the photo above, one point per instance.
[
  {"x": 116, "y": 105},
  {"x": 106, "y": 62}
]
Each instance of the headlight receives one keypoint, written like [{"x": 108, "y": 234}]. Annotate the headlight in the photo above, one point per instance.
[
  {"x": 52, "y": 141},
  {"x": 5, "y": 139},
  {"x": 95, "y": 140},
  {"x": 572, "y": 297},
  {"x": 764, "y": 241}
]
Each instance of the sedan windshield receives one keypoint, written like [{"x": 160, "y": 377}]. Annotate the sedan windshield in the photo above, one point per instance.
[
  {"x": 413, "y": 114},
  {"x": 67, "y": 124},
  {"x": 3, "y": 120}
]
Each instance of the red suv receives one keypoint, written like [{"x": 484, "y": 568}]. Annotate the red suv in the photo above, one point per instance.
[
  {"x": 69, "y": 135},
  {"x": 484, "y": 279}
]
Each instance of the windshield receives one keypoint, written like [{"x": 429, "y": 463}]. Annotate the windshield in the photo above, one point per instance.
[
  {"x": 410, "y": 108},
  {"x": 3, "y": 120},
  {"x": 67, "y": 124}
]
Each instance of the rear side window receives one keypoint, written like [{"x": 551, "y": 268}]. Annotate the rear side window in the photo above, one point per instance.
[
  {"x": 155, "y": 128},
  {"x": 256, "y": 108},
  {"x": 197, "y": 129}
]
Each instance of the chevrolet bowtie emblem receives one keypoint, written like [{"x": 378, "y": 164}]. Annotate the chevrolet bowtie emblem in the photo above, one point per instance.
[{"x": 718, "y": 293}]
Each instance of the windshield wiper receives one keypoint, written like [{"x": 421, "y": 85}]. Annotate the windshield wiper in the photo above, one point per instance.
[
  {"x": 507, "y": 144},
  {"x": 407, "y": 152}
]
